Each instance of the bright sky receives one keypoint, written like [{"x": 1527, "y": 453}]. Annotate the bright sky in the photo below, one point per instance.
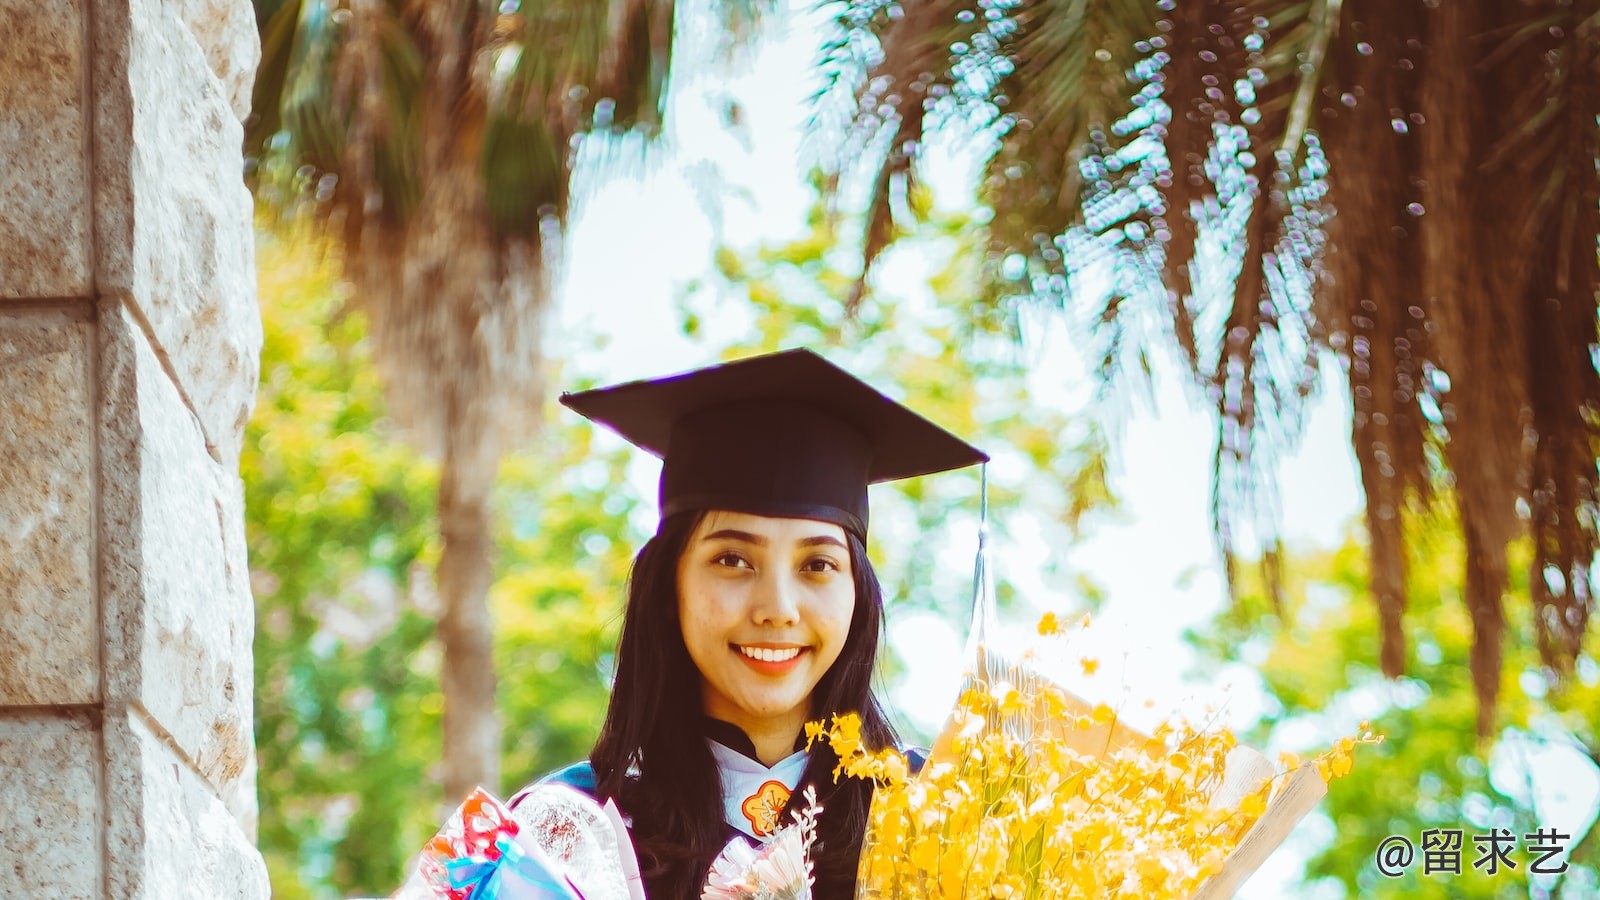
[{"x": 638, "y": 239}]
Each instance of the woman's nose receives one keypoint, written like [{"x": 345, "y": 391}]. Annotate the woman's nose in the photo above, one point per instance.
[{"x": 776, "y": 600}]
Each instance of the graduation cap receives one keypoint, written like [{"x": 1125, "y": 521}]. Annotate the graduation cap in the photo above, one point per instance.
[{"x": 785, "y": 434}]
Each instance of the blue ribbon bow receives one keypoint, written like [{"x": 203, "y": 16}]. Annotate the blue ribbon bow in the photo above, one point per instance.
[{"x": 484, "y": 876}]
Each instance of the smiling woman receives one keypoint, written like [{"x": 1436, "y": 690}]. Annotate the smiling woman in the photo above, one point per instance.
[{"x": 752, "y": 610}]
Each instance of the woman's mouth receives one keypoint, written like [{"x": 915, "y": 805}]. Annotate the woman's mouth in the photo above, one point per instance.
[{"x": 769, "y": 660}]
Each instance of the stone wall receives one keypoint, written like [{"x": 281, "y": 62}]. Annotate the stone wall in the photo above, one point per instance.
[{"x": 129, "y": 341}]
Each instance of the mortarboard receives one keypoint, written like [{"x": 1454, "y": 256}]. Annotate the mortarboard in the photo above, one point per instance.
[{"x": 785, "y": 434}]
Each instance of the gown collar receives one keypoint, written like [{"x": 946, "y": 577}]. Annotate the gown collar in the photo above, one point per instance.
[
  {"x": 754, "y": 796},
  {"x": 733, "y": 737}
]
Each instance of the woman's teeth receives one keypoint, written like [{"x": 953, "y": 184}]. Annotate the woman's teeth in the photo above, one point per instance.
[{"x": 766, "y": 655}]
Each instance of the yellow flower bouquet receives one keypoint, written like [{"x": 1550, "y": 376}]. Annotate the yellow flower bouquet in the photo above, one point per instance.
[{"x": 1031, "y": 792}]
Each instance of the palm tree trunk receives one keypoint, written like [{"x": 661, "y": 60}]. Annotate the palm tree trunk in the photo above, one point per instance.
[{"x": 471, "y": 725}]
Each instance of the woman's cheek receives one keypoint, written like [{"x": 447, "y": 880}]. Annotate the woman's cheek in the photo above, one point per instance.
[
  {"x": 697, "y": 617},
  {"x": 840, "y": 610}
]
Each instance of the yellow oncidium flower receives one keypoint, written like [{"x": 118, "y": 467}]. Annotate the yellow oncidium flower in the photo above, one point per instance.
[
  {"x": 1015, "y": 811},
  {"x": 1049, "y": 624}
]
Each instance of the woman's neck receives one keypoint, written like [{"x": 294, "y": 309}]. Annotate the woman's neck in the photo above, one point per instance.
[
  {"x": 772, "y": 739},
  {"x": 774, "y": 744}
]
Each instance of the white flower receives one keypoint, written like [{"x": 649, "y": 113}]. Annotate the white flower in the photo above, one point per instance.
[{"x": 779, "y": 869}]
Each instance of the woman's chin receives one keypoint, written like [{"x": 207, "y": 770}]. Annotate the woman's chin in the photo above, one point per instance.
[
  {"x": 781, "y": 709},
  {"x": 775, "y": 710}
]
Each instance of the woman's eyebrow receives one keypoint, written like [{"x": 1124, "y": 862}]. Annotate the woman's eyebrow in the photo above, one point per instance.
[
  {"x": 732, "y": 534},
  {"x": 821, "y": 540}
]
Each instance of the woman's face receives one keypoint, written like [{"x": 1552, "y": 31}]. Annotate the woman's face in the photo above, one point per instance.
[{"x": 765, "y": 605}]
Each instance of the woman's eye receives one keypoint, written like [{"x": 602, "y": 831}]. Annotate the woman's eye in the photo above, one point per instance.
[
  {"x": 821, "y": 564},
  {"x": 731, "y": 560}
]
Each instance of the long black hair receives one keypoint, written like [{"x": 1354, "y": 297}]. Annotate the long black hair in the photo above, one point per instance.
[{"x": 652, "y": 756}]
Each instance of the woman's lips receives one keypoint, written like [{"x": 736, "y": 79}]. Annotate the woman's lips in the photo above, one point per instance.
[{"x": 769, "y": 660}]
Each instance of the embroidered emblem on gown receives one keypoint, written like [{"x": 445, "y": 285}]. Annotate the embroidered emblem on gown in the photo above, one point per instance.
[{"x": 764, "y": 807}]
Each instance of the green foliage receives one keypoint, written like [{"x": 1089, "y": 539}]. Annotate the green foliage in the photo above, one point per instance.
[
  {"x": 344, "y": 695},
  {"x": 340, "y": 519},
  {"x": 558, "y": 597},
  {"x": 1319, "y": 667},
  {"x": 545, "y": 76}
]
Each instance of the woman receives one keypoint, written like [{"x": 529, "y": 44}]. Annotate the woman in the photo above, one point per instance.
[{"x": 752, "y": 610}]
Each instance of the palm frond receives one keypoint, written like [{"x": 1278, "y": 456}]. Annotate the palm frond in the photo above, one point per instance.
[
  {"x": 277, "y": 22},
  {"x": 907, "y": 48},
  {"x": 1373, "y": 306},
  {"x": 1560, "y": 144},
  {"x": 1412, "y": 185}
]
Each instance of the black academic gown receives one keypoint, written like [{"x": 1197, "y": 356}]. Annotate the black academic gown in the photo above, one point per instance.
[{"x": 754, "y": 795}]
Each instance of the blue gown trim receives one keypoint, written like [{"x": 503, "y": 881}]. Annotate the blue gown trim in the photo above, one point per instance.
[
  {"x": 916, "y": 758},
  {"x": 579, "y": 776}
]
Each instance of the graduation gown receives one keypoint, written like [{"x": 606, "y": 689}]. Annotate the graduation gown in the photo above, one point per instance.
[{"x": 754, "y": 795}]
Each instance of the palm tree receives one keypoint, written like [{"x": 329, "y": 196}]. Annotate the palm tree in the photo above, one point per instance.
[
  {"x": 1410, "y": 183},
  {"x": 436, "y": 140}
]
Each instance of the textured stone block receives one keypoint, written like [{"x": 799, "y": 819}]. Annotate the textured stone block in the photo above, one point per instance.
[
  {"x": 44, "y": 188},
  {"x": 225, "y": 31},
  {"x": 168, "y": 834},
  {"x": 174, "y": 218},
  {"x": 180, "y": 615},
  {"x": 48, "y": 624},
  {"x": 49, "y": 817}
]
